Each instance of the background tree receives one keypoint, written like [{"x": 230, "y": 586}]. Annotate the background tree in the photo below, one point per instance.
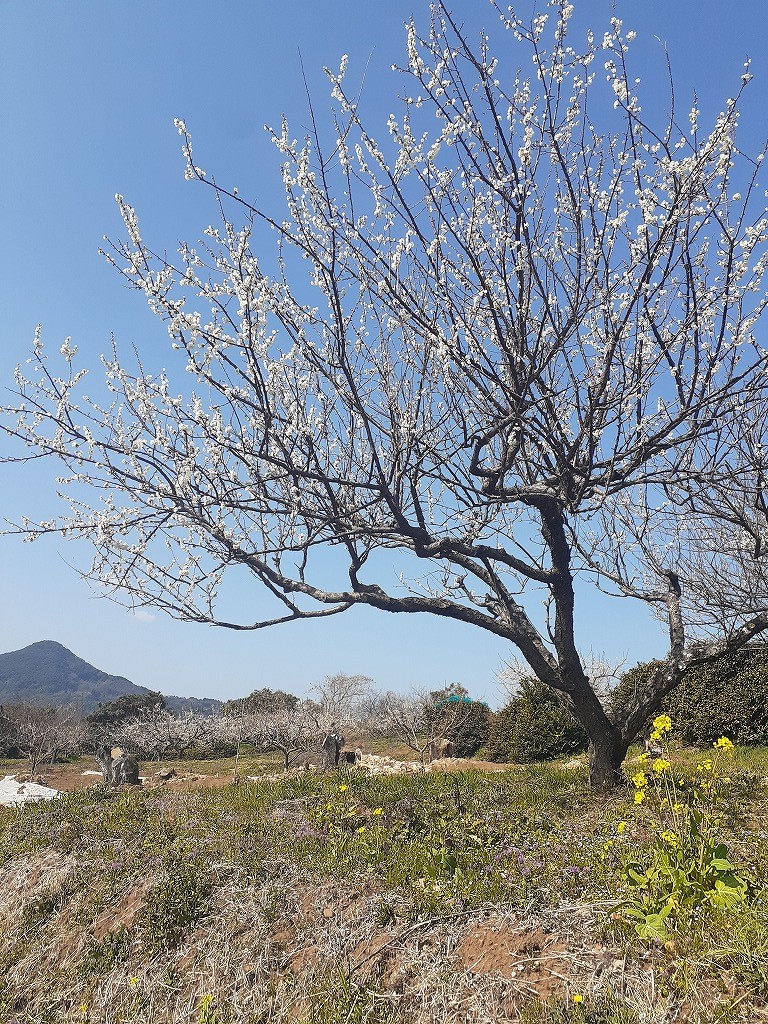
[
  {"x": 339, "y": 700},
  {"x": 290, "y": 729},
  {"x": 260, "y": 702},
  {"x": 513, "y": 342},
  {"x": 8, "y": 746},
  {"x": 460, "y": 719},
  {"x": 105, "y": 722},
  {"x": 161, "y": 733},
  {"x": 402, "y": 716},
  {"x": 41, "y": 732},
  {"x": 419, "y": 717}
]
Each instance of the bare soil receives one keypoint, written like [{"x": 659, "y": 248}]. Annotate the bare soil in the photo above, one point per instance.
[{"x": 178, "y": 775}]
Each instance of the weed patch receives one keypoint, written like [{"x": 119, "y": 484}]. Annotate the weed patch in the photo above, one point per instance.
[
  {"x": 349, "y": 897},
  {"x": 175, "y": 904}
]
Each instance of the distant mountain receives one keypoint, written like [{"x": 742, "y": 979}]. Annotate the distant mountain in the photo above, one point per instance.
[{"x": 47, "y": 673}]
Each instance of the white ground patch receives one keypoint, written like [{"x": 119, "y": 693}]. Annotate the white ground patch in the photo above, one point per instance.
[{"x": 13, "y": 792}]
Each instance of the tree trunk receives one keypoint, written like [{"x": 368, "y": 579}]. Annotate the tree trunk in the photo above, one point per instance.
[
  {"x": 607, "y": 751},
  {"x": 607, "y": 743}
]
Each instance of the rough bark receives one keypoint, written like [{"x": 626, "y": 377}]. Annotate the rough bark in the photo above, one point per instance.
[{"x": 606, "y": 755}]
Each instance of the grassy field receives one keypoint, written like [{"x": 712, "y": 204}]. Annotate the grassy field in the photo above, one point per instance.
[{"x": 344, "y": 897}]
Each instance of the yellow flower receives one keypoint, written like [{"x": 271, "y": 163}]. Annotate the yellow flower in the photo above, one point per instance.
[
  {"x": 643, "y": 757},
  {"x": 669, "y": 837},
  {"x": 639, "y": 796},
  {"x": 133, "y": 981},
  {"x": 662, "y": 724},
  {"x": 578, "y": 998},
  {"x": 343, "y": 789},
  {"x": 378, "y": 810},
  {"x": 677, "y": 808},
  {"x": 621, "y": 826},
  {"x": 361, "y": 829},
  {"x": 640, "y": 780},
  {"x": 660, "y": 765},
  {"x": 725, "y": 745}
]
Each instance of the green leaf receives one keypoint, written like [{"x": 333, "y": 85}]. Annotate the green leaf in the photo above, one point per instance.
[
  {"x": 721, "y": 864},
  {"x": 635, "y": 878},
  {"x": 653, "y": 927}
]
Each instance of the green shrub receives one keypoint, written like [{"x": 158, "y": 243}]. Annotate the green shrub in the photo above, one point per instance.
[
  {"x": 534, "y": 726},
  {"x": 500, "y": 740},
  {"x": 175, "y": 904},
  {"x": 726, "y": 698},
  {"x": 470, "y": 730},
  {"x": 101, "y": 956},
  {"x": 459, "y": 718},
  {"x": 107, "y": 718}
]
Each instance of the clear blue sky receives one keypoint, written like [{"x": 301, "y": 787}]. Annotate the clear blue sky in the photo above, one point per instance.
[{"x": 88, "y": 93}]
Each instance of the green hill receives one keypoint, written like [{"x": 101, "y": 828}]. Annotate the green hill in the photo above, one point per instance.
[{"x": 48, "y": 673}]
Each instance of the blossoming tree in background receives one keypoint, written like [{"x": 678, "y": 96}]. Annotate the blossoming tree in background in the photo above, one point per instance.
[{"x": 512, "y": 343}]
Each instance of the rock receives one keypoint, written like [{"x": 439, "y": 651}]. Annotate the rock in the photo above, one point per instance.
[
  {"x": 440, "y": 747},
  {"x": 125, "y": 771},
  {"x": 119, "y": 770}
]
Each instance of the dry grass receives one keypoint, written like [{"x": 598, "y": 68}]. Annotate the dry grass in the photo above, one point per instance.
[{"x": 256, "y": 903}]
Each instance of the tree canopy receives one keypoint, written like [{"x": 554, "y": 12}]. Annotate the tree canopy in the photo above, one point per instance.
[{"x": 512, "y": 343}]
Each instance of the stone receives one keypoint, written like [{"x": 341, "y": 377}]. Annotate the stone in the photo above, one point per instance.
[{"x": 440, "y": 747}]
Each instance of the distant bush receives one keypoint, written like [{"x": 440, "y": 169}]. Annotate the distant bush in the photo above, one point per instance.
[
  {"x": 459, "y": 718},
  {"x": 260, "y": 702},
  {"x": 469, "y": 730},
  {"x": 107, "y": 718},
  {"x": 534, "y": 726},
  {"x": 726, "y": 698}
]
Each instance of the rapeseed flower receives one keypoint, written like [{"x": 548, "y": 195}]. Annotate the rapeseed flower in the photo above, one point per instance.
[
  {"x": 662, "y": 724},
  {"x": 725, "y": 745}
]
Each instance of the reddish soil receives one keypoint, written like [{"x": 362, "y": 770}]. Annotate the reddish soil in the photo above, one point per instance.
[
  {"x": 66, "y": 778},
  {"x": 70, "y": 777},
  {"x": 534, "y": 959}
]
